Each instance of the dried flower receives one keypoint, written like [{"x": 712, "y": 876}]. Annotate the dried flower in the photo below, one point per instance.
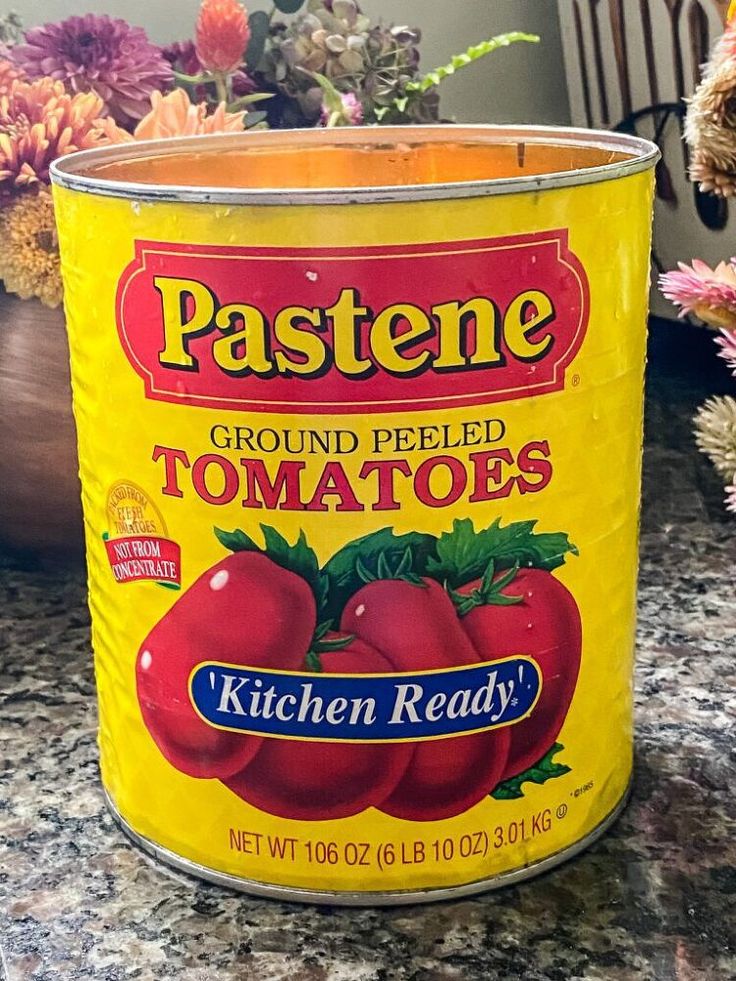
[
  {"x": 222, "y": 35},
  {"x": 710, "y": 125},
  {"x": 40, "y": 121},
  {"x": 29, "y": 258},
  {"x": 175, "y": 115},
  {"x": 708, "y": 293},
  {"x": 9, "y": 73},
  {"x": 711, "y": 177},
  {"x": 96, "y": 53},
  {"x": 338, "y": 42},
  {"x": 715, "y": 433},
  {"x": 349, "y": 112},
  {"x": 727, "y": 344}
]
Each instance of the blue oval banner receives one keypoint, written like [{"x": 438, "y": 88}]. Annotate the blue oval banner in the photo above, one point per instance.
[{"x": 366, "y": 708}]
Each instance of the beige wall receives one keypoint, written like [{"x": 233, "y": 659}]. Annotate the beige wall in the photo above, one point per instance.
[{"x": 523, "y": 84}]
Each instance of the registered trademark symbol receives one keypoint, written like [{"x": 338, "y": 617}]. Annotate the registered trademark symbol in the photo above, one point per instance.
[
  {"x": 562, "y": 811},
  {"x": 575, "y": 381}
]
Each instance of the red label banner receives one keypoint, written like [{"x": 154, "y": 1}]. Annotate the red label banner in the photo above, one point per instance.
[
  {"x": 144, "y": 557},
  {"x": 353, "y": 329}
]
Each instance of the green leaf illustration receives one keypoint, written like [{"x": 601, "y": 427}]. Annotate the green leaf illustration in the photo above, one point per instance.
[
  {"x": 463, "y": 554},
  {"x": 546, "y": 769}
]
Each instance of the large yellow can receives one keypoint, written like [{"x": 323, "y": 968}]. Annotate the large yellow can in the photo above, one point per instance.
[{"x": 359, "y": 418}]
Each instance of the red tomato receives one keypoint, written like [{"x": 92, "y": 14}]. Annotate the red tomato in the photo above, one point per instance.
[
  {"x": 244, "y": 610},
  {"x": 417, "y": 628},
  {"x": 313, "y": 781},
  {"x": 546, "y": 626}
]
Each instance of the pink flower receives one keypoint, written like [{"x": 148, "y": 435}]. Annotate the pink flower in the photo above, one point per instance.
[
  {"x": 727, "y": 344},
  {"x": 351, "y": 113},
  {"x": 708, "y": 293},
  {"x": 728, "y": 41},
  {"x": 222, "y": 35},
  {"x": 731, "y": 497},
  {"x": 96, "y": 53},
  {"x": 40, "y": 121}
]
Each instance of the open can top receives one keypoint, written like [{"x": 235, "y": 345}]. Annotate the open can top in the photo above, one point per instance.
[{"x": 355, "y": 165}]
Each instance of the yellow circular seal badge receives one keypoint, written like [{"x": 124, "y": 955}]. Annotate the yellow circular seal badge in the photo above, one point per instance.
[{"x": 136, "y": 538}]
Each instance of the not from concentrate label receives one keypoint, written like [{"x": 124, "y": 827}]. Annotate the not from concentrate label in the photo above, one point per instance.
[{"x": 364, "y": 537}]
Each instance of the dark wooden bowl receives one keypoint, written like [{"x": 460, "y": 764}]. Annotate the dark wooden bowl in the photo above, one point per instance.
[{"x": 40, "y": 511}]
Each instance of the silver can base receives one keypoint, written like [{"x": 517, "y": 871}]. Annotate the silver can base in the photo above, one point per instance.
[{"x": 408, "y": 897}]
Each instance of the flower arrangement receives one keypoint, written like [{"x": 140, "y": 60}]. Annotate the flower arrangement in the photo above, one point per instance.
[
  {"x": 701, "y": 292},
  {"x": 92, "y": 80}
]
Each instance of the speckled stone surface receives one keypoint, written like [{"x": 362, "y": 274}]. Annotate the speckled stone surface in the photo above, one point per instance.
[{"x": 654, "y": 900}]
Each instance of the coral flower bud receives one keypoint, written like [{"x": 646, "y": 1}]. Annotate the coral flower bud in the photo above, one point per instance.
[{"x": 222, "y": 35}]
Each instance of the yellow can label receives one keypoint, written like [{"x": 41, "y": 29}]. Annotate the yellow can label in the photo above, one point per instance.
[{"x": 361, "y": 494}]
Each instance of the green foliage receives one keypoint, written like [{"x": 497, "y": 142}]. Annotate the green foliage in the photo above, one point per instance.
[
  {"x": 473, "y": 53},
  {"x": 308, "y": 54},
  {"x": 260, "y": 26},
  {"x": 288, "y": 6}
]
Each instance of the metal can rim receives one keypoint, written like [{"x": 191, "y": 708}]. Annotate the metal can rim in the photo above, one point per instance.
[{"x": 72, "y": 171}]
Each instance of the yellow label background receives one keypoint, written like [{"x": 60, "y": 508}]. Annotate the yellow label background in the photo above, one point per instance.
[{"x": 594, "y": 431}]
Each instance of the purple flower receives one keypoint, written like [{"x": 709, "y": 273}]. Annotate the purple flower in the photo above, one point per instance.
[
  {"x": 350, "y": 114},
  {"x": 98, "y": 54},
  {"x": 182, "y": 56}
]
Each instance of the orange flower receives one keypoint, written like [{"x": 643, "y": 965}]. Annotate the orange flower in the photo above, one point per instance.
[
  {"x": 29, "y": 257},
  {"x": 222, "y": 35},
  {"x": 9, "y": 73},
  {"x": 110, "y": 132},
  {"x": 40, "y": 121},
  {"x": 175, "y": 115}
]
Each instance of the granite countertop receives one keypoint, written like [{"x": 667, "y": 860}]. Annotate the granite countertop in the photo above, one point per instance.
[{"x": 654, "y": 900}]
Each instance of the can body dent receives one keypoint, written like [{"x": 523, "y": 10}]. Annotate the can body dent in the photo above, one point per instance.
[{"x": 361, "y": 476}]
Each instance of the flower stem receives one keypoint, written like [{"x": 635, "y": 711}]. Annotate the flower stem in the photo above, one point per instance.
[{"x": 221, "y": 87}]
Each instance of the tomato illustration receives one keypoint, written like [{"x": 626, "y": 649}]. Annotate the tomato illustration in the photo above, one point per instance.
[
  {"x": 245, "y": 610},
  {"x": 315, "y": 781},
  {"x": 415, "y": 625},
  {"x": 545, "y": 625}
]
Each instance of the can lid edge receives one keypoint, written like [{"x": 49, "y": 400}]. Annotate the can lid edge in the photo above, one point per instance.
[{"x": 71, "y": 171}]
